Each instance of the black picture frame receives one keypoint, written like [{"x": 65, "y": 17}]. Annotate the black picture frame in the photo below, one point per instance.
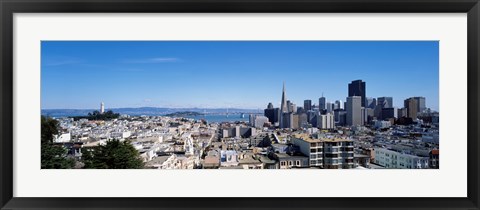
[{"x": 10, "y": 7}]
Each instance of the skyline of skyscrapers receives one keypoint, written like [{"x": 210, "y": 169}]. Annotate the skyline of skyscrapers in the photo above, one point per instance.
[{"x": 357, "y": 110}]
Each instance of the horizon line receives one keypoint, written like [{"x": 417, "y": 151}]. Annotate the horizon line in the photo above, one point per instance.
[{"x": 150, "y": 107}]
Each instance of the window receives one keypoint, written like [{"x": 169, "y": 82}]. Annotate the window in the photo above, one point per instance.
[
  {"x": 290, "y": 163},
  {"x": 297, "y": 163},
  {"x": 282, "y": 163},
  {"x": 331, "y": 155}
]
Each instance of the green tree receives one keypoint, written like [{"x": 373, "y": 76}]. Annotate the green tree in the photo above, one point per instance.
[
  {"x": 113, "y": 155},
  {"x": 52, "y": 156}
]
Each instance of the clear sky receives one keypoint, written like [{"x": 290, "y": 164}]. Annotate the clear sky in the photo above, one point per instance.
[{"x": 235, "y": 74}]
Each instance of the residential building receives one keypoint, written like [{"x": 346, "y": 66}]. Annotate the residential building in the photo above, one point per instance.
[
  {"x": 389, "y": 158},
  {"x": 287, "y": 161},
  {"x": 312, "y": 148},
  {"x": 434, "y": 159},
  {"x": 338, "y": 153}
]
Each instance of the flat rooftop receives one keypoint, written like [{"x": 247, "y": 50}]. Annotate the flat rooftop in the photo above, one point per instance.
[{"x": 307, "y": 138}]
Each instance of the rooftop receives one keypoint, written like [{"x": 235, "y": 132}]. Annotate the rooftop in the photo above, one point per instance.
[
  {"x": 158, "y": 161},
  {"x": 307, "y": 138}
]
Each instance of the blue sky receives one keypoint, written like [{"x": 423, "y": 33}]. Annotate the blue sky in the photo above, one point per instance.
[{"x": 240, "y": 74}]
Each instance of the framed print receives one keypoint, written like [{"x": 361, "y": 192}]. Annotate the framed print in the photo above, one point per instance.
[{"x": 239, "y": 104}]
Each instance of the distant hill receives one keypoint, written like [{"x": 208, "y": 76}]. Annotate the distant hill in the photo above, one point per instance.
[
  {"x": 184, "y": 114},
  {"x": 149, "y": 111}
]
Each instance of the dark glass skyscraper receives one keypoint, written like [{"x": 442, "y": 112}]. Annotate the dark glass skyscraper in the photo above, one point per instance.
[
  {"x": 385, "y": 102},
  {"x": 322, "y": 103},
  {"x": 357, "y": 88},
  {"x": 271, "y": 113},
  {"x": 270, "y": 106},
  {"x": 307, "y": 105}
]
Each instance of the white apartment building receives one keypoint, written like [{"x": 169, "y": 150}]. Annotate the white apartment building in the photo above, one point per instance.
[
  {"x": 326, "y": 121},
  {"x": 228, "y": 158},
  {"x": 332, "y": 153},
  {"x": 64, "y": 137},
  {"x": 120, "y": 134},
  {"x": 393, "y": 159},
  {"x": 172, "y": 162},
  {"x": 313, "y": 148}
]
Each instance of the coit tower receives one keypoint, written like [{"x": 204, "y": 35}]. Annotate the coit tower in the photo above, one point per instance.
[{"x": 102, "y": 108}]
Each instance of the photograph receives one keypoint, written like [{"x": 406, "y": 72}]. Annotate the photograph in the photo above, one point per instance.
[{"x": 240, "y": 104}]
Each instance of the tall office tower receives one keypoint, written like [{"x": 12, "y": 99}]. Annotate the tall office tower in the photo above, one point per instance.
[
  {"x": 336, "y": 105},
  {"x": 102, "y": 108},
  {"x": 367, "y": 115},
  {"x": 412, "y": 107},
  {"x": 402, "y": 112},
  {"x": 329, "y": 107},
  {"x": 288, "y": 120},
  {"x": 342, "y": 118},
  {"x": 388, "y": 113},
  {"x": 251, "y": 119},
  {"x": 370, "y": 103},
  {"x": 270, "y": 106},
  {"x": 312, "y": 118},
  {"x": 260, "y": 121},
  {"x": 363, "y": 114},
  {"x": 339, "y": 117},
  {"x": 339, "y": 104},
  {"x": 354, "y": 110},
  {"x": 420, "y": 103},
  {"x": 269, "y": 112},
  {"x": 294, "y": 121},
  {"x": 289, "y": 106},
  {"x": 385, "y": 102},
  {"x": 307, "y": 105},
  {"x": 357, "y": 88},
  {"x": 276, "y": 116},
  {"x": 283, "y": 107},
  {"x": 322, "y": 103},
  {"x": 300, "y": 110},
  {"x": 377, "y": 112},
  {"x": 302, "y": 120}
]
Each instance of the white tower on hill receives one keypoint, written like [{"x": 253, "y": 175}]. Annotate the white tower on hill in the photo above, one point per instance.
[{"x": 102, "y": 108}]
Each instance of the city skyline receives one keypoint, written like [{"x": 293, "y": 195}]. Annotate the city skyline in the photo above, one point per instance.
[{"x": 232, "y": 74}]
